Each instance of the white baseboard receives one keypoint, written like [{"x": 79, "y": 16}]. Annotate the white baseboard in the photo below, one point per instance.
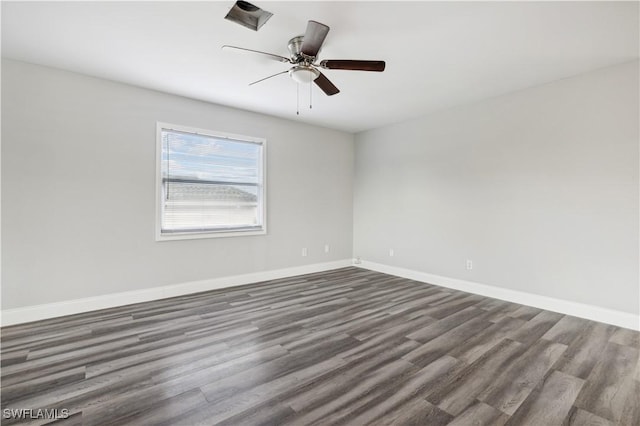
[
  {"x": 595, "y": 313},
  {"x": 69, "y": 307},
  {"x": 52, "y": 310}
]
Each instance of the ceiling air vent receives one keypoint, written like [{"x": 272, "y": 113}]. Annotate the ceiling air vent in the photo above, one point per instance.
[{"x": 248, "y": 15}]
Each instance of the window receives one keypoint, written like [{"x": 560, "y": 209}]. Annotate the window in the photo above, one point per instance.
[{"x": 209, "y": 184}]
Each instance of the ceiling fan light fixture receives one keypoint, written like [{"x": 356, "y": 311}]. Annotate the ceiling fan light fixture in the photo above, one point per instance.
[{"x": 303, "y": 74}]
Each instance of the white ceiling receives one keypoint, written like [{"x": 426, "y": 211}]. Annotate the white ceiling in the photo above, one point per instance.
[{"x": 438, "y": 54}]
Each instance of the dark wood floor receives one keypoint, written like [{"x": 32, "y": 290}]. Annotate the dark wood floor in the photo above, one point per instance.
[{"x": 344, "y": 347}]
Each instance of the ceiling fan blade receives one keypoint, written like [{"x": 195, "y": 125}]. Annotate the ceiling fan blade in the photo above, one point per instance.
[
  {"x": 313, "y": 38},
  {"x": 266, "y": 78},
  {"x": 327, "y": 86},
  {"x": 268, "y": 55},
  {"x": 340, "y": 64}
]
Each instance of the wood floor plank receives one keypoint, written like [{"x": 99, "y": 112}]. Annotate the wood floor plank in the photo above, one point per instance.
[
  {"x": 262, "y": 395},
  {"x": 501, "y": 309},
  {"x": 322, "y": 391},
  {"x": 514, "y": 385},
  {"x": 480, "y": 414},
  {"x": 586, "y": 350},
  {"x": 475, "y": 347},
  {"x": 565, "y": 330},
  {"x": 443, "y": 310},
  {"x": 164, "y": 411},
  {"x": 16, "y": 357},
  {"x": 278, "y": 367},
  {"x": 460, "y": 390},
  {"x": 341, "y": 406},
  {"x": 611, "y": 392},
  {"x": 626, "y": 337},
  {"x": 342, "y": 347},
  {"x": 393, "y": 336},
  {"x": 445, "y": 342},
  {"x": 275, "y": 415},
  {"x": 395, "y": 325},
  {"x": 579, "y": 417},
  {"x": 150, "y": 410},
  {"x": 536, "y": 327},
  {"x": 417, "y": 412},
  {"x": 395, "y": 398},
  {"x": 438, "y": 327},
  {"x": 41, "y": 384},
  {"x": 75, "y": 419},
  {"x": 549, "y": 405},
  {"x": 525, "y": 313}
]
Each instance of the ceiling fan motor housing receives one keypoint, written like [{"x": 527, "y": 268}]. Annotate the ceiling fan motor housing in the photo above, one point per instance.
[{"x": 295, "y": 46}]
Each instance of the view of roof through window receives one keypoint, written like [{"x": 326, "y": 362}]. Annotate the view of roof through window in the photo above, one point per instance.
[{"x": 210, "y": 183}]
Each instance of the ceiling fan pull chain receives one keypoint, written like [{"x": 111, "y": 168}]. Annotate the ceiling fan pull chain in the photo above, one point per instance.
[
  {"x": 297, "y": 99},
  {"x": 310, "y": 91}
]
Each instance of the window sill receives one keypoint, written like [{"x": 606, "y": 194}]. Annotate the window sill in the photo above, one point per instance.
[{"x": 213, "y": 234}]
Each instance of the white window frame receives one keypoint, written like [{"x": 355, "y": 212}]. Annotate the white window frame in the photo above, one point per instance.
[{"x": 189, "y": 235}]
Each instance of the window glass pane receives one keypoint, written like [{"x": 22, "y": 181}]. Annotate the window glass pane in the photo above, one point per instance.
[
  {"x": 202, "y": 157},
  {"x": 210, "y": 184}
]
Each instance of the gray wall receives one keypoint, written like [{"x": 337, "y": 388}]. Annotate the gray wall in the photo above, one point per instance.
[
  {"x": 538, "y": 188},
  {"x": 78, "y": 185}
]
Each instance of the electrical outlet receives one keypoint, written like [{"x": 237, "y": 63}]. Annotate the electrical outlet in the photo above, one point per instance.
[
  {"x": 304, "y": 252},
  {"x": 391, "y": 253},
  {"x": 326, "y": 248},
  {"x": 469, "y": 264}
]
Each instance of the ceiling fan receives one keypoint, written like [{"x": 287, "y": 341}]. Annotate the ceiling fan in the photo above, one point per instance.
[{"x": 304, "y": 51}]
